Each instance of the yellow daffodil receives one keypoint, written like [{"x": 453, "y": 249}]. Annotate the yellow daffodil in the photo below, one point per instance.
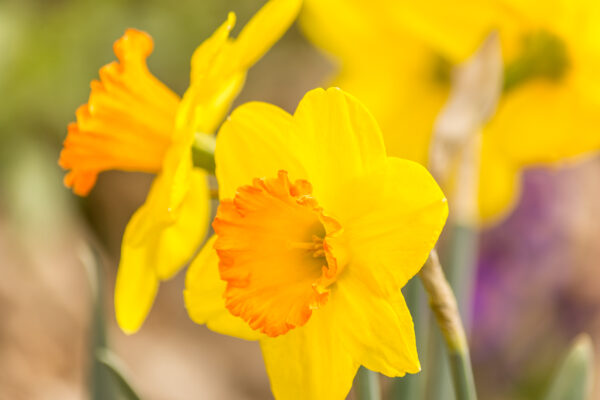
[
  {"x": 398, "y": 55},
  {"x": 316, "y": 233},
  {"x": 133, "y": 122}
]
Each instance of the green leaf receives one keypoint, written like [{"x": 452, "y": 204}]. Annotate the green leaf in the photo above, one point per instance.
[
  {"x": 117, "y": 369},
  {"x": 573, "y": 380}
]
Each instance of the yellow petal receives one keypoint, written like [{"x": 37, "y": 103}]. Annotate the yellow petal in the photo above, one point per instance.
[
  {"x": 342, "y": 27},
  {"x": 214, "y": 84},
  {"x": 219, "y": 65},
  {"x": 543, "y": 122},
  {"x": 377, "y": 331},
  {"x": 356, "y": 327},
  {"x": 161, "y": 237},
  {"x": 392, "y": 222},
  {"x": 203, "y": 296},
  {"x": 499, "y": 184},
  {"x": 180, "y": 239},
  {"x": 256, "y": 141},
  {"x": 454, "y": 29},
  {"x": 340, "y": 141},
  {"x": 310, "y": 362},
  {"x": 263, "y": 30},
  {"x": 404, "y": 89},
  {"x": 137, "y": 283},
  {"x": 208, "y": 53},
  {"x": 205, "y": 105}
]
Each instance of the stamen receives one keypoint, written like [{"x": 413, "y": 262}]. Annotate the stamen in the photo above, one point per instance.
[{"x": 316, "y": 246}]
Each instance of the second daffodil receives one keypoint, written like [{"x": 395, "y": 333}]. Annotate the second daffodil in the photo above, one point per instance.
[
  {"x": 316, "y": 233},
  {"x": 133, "y": 122}
]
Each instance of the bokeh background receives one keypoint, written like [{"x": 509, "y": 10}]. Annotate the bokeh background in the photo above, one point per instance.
[{"x": 538, "y": 272}]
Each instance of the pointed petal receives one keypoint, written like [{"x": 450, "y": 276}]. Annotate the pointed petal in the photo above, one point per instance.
[
  {"x": 214, "y": 84},
  {"x": 264, "y": 29},
  {"x": 378, "y": 332},
  {"x": 256, "y": 141},
  {"x": 136, "y": 284},
  {"x": 204, "y": 300},
  {"x": 182, "y": 237},
  {"x": 210, "y": 50},
  {"x": 310, "y": 362},
  {"x": 396, "y": 216},
  {"x": 161, "y": 237},
  {"x": 341, "y": 141}
]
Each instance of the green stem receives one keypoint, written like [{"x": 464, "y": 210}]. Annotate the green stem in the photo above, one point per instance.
[
  {"x": 411, "y": 386},
  {"x": 101, "y": 386},
  {"x": 444, "y": 307},
  {"x": 367, "y": 385},
  {"x": 461, "y": 260},
  {"x": 438, "y": 384},
  {"x": 116, "y": 368},
  {"x": 203, "y": 152}
]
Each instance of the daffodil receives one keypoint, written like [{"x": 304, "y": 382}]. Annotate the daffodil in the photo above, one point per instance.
[
  {"x": 316, "y": 233},
  {"x": 133, "y": 122},
  {"x": 398, "y": 56}
]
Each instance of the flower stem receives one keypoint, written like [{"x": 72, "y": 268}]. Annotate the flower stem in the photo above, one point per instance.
[
  {"x": 203, "y": 152},
  {"x": 411, "y": 386},
  {"x": 445, "y": 309},
  {"x": 367, "y": 385}
]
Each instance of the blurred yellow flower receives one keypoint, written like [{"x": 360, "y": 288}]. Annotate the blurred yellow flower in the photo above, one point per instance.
[
  {"x": 133, "y": 122},
  {"x": 398, "y": 56},
  {"x": 317, "y": 232}
]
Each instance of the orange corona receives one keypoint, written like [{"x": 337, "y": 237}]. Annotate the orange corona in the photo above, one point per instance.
[
  {"x": 127, "y": 122},
  {"x": 276, "y": 252}
]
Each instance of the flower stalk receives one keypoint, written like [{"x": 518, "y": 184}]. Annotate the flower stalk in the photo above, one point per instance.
[
  {"x": 445, "y": 309},
  {"x": 367, "y": 385},
  {"x": 203, "y": 152}
]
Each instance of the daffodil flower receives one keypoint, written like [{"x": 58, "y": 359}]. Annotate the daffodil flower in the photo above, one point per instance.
[
  {"x": 316, "y": 233},
  {"x": 133, "y": 122},
  {"x": 398, "y": 56}
]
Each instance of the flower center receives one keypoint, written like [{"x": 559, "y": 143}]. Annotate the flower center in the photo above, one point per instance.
[
  {"x": 543, "y": 55},
  {"x": 278, "y": 253}
]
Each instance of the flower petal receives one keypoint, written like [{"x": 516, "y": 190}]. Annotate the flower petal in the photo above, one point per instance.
[
  {"x": 160, "y": 238},
  {"x": 499, "y": 184},
  {"x": 213, "y": 83},
  {"x": 203, "y": 296},
  {"x": 264, "y": 29},
  {"x": 340, "y": 141},
  {"x": 377, "y": 331},
  {"x": 405, "y": 89},
  {"x": 456, "y": 30},
  {"x": 396, "y": 216},
  {"x": 559, "y": 111},
  {"x": 310, "y": 362},
  {"x": 137, "y": 284},
  {"x": 256, "y": 141}
]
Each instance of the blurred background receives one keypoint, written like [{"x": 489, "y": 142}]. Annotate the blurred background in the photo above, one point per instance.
[{"x": 538, "y": 272}]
